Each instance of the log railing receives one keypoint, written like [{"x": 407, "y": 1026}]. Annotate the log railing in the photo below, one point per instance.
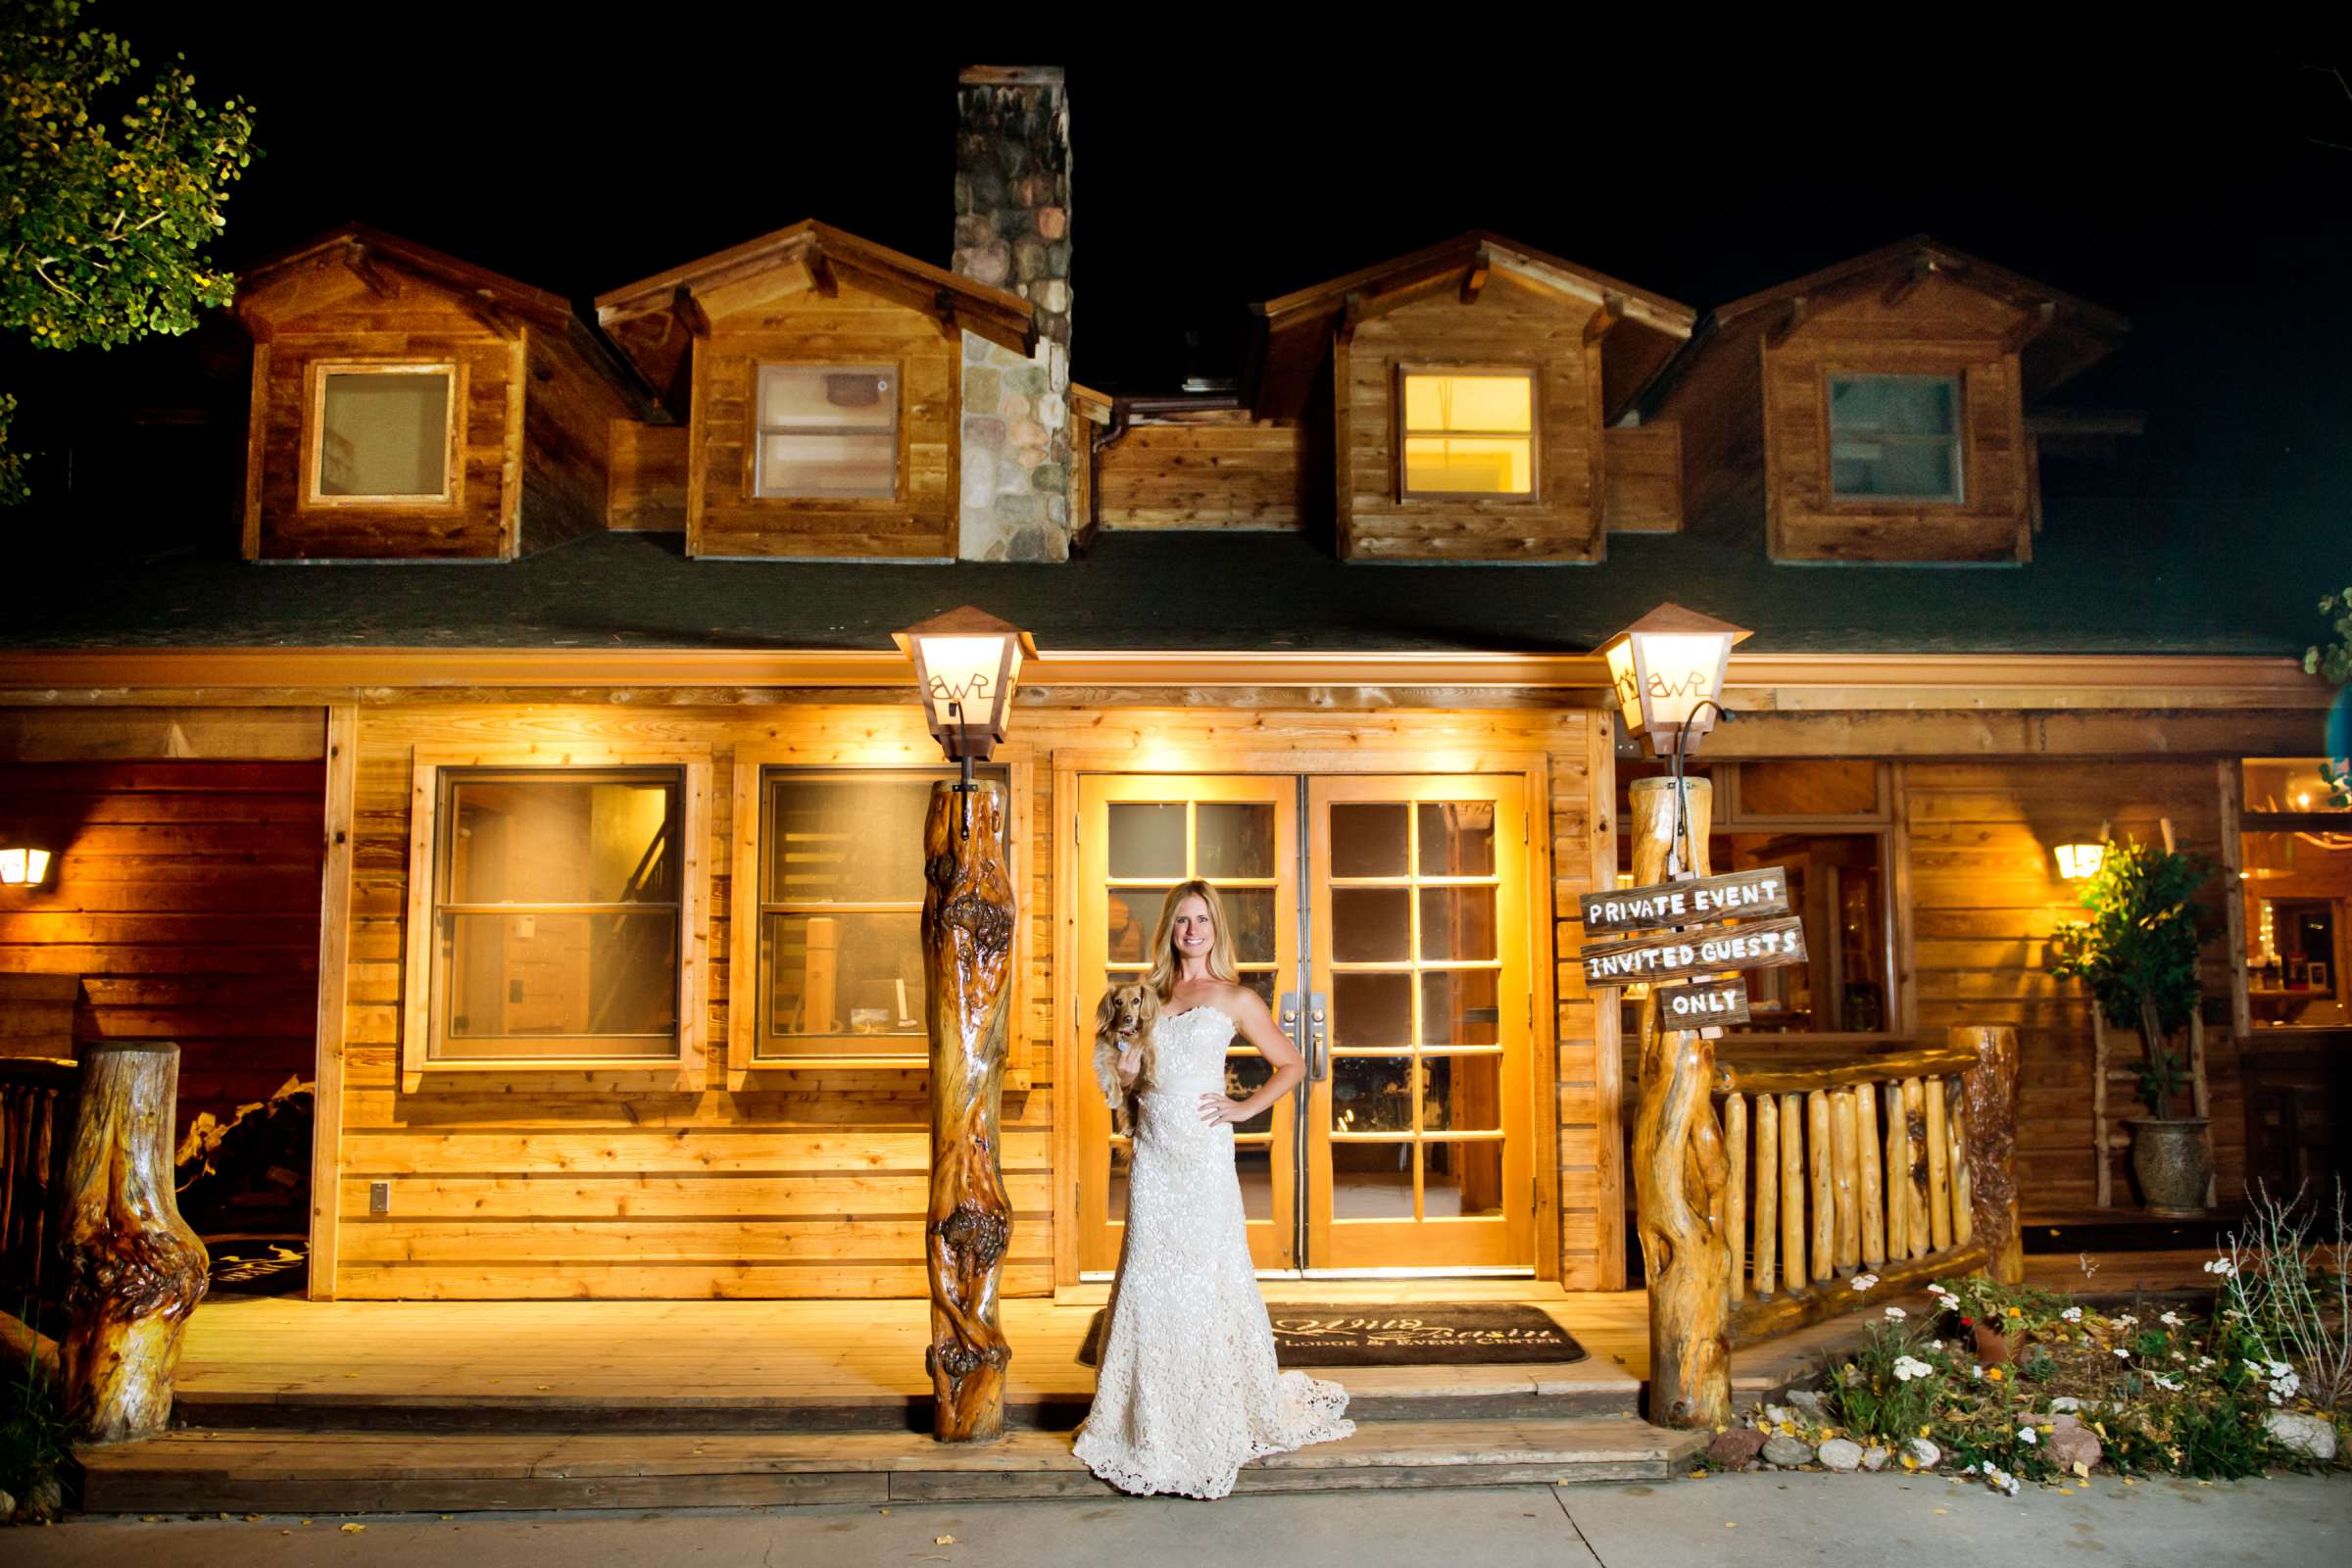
[
  {"x": 38, "y": 1103},
  {"x": 1887, "y": 1165}
]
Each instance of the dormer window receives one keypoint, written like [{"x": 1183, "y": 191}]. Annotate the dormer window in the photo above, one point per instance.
[
  {"x": 828, "y": 431},
  {"x": 1895, "y": 437},
  {"x": 1467, "y": 433},
  {"x": 382, "y": 433}
]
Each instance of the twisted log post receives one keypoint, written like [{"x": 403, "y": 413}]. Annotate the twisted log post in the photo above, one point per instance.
[
  {"x": 1680, "y": 1172},
  {"x": 1988, "y": 1091},
  {"x": 967, "y": 952},
  {"x": 135, "y": 1270}
]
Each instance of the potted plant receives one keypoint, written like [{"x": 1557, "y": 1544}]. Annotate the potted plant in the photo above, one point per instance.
[{"x": 2138, "y": 955}]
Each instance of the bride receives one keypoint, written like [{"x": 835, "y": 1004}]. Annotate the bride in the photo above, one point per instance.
[{"x": 1187, "y": 1391}]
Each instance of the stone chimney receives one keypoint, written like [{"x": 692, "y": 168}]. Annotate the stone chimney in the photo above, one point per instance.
[{"x": 1012, "y": 231}]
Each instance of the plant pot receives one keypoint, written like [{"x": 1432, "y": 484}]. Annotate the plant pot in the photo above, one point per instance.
[
  {"x": 2172, "y": 1162},
  {"x": 1994, "y": 1348}
]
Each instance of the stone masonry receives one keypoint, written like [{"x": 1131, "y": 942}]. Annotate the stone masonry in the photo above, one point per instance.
[{"x": 1012, "y": 231}]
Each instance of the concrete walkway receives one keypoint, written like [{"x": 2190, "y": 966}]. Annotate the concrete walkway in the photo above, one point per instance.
[{"x": 1755, "y": 1521}]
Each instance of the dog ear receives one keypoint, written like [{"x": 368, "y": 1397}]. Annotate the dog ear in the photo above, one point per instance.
[{"x": 1107, "y": 1011}]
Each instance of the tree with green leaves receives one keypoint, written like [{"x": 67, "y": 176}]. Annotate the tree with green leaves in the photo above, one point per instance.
[
  {"x": 104, "y": 221},
  {"x": 2138, "y": 953}
]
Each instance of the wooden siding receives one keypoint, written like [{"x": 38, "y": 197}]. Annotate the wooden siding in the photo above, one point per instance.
[
  {"x": 1233, "y": 474},
  {"x": 186, "y": 897},
  {"x": 770, "y": 1182},
  {"x": 850, "y": 326},
  {"x": 647, "y": 487},
  {"x": 1985, "y": 897},
  {"x": 1642, "y": 473},
  {"x": 567, "y": 423},
  {"x": 1939, "y": 328},
  {"x": 328, "y": 313},
  {"x": 1511, "y": 323}
]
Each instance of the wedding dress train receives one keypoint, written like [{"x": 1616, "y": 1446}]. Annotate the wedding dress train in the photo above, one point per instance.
[{"x": 1186, "y": 1389}]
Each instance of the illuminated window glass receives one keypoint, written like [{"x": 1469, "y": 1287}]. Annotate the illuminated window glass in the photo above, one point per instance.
[
  {"x": 1895, "y": 436},
  {"x": 1469, "y": 433},
  {"x": 556, "y": 915},
  {"x": 382, "y": 433},
  {"x": 828, "y": 430}
]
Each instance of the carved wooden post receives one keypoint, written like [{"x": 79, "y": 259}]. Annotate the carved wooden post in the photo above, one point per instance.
[
  {"x": 967, "y": 954},
  {"x": 1989, "y": 1089},
  {"x": 1680, "y": 1172},
  {"x": 134, "y": 1268}
]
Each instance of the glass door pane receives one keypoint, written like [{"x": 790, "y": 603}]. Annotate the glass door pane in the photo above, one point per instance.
[
  {"x": 1417, "y": 1138},
  {"x": 1137, "y": 837}
]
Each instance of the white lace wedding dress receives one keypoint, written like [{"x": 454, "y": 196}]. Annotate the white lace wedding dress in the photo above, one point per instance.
[{"x": 1186, "y": 1389}]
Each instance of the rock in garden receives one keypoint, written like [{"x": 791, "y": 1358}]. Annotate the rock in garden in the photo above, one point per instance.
[
  {"x": 1874, "y": 1457},
  {"x": 1735, "y": 1447},
  {"x": 1925, "y": 1453},
  {"x": 1787, "y": 1452},
  {"x": 1805, "y": 1400},
  {"x": 1839, "y": 1454},
  {"x": 1778, "y": 1415},
  {"x": 2066, "y": 1402},
  {"x": 2304, "y": 1435},
  {"x": 2071, "y": 1444}
]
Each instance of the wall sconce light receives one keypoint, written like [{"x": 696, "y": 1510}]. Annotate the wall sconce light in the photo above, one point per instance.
[
  {"x": 966, "y": 665},
  {"x": 1668, "y": 669},
  {"x": 2080, "y": 862},
  {"x": 23, "y": 866}
]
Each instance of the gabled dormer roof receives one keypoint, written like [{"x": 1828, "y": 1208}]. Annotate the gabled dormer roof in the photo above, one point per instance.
[
  {"x": 1293, "y": 330},
  {"x": 2059, "y": 335},
  {"x": 366, "y": 249}
]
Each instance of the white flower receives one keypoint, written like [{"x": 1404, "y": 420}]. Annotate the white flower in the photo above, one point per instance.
[
  {"x": 2171, "y": 1385},
  {"x": 2204, "y": 1363},
  {"x": 1907, "y": 1367},
  {"x": 2221, "y": 1266},
  {"x": 2000, "y": 1480},
  {"x": 2026, "y": 1434},
  {"x": 1863, "y": 1282},
  {"x": 2170, "y": 1320},
  {"x": 2072, "y": 1314},
  {"x": 2126, "y": 1321},
  {"x": 1897, "y": 1313},
  {"x": 2122, "y": 1352},
  {"x": 2279, "y": 1369},
  {"x": 1976, "y": 1374}
]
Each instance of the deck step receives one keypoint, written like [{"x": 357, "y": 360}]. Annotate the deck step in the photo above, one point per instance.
[{"x": 374, "y": 1471}]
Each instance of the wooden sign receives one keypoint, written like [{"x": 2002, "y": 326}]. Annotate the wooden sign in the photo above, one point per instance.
[
  {"x": 1699, "y": 901},
  {"x": 1703, "y": 1003},
  {"x": 1755, "y": 944}
]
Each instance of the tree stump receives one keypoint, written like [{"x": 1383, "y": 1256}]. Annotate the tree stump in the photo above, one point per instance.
[
  {"x": 1990, "y": 1091},
  {"x": 1680, "y": 1172},
  {"x": 967, "y": 953},
  {"x": 134, "y": 1268}
]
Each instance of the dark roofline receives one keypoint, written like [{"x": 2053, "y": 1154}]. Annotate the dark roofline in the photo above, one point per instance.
[
  {"x": 1397, "y": 272},
  {"x": 534, "y": 304}
]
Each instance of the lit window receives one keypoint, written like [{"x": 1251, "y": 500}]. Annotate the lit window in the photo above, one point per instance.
[
  {"x": 1895, "y": 437},
  {"x": 1469, "y": 433},
  {"x": 828, "y": 430},
  {"x": 841, "y": 902},
  {"x": 383, "y": 432},
  {"x": 556, "y": 915}
]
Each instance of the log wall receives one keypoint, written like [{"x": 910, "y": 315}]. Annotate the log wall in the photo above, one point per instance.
[
  {"x": 185, "y": 896},
  {"x": 1237, "y": 473},
  {"x": 1985, "y": 897},
  {"x": 798, "y": 1183}
]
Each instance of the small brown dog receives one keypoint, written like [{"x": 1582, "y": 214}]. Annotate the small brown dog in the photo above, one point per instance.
[{"x": 1124, "y": 1020}]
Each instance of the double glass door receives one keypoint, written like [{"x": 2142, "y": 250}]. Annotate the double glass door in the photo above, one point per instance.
[{"x": 1384, "y": 920}]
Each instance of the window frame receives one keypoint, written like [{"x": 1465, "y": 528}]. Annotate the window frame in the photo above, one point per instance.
[
  {"x": 682, "y": 1068},
  {"x": 2238, "y": 820},
  {"x": 913, "y": 752},
  {"x": 1957, "y": 376},
  {"x": 1890, "y": 824},
  {"x": 314, "y": 435},
  {"x": 756, "y": 433},
  {"x": 1400, "y": 430}
]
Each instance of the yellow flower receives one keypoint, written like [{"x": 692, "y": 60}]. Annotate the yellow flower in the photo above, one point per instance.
[
  {"x": 1994, "y": 1372},
  {"x": 1910, "y": 1463},
  {"x": 2015, "y": 1313}
]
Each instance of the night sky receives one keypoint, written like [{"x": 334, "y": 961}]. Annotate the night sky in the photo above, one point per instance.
[{"x": 2192, "y": 190}]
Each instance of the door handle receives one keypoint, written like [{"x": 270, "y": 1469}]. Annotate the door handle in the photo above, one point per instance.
[{"x": 1318, "y": 1034}]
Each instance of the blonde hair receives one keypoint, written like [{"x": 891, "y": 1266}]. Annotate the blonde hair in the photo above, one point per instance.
[{"x": 1163, "y": 947}]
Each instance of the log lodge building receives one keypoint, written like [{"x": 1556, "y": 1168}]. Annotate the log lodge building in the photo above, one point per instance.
[{"x": 542, "y": 785}]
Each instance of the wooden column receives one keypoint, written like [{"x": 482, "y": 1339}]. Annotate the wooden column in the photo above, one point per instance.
[
  {"x": 1767, "y": 1200},
  {"x": 1734, "y": 1192},
  {"x": 1990, "y": 1090},
  {"x": 1679, "y": 1168},
  {"x": 1821, "y": 1189},
  {"x": 135, "y": 1270},
  {"x": 1846, "y": 1168},
  {"x": 1866, "y": 1141},
  {"x": 967, "y": 947}
]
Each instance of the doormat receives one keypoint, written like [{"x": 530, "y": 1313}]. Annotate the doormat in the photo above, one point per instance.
[{"x": 1447, "y": 1333}]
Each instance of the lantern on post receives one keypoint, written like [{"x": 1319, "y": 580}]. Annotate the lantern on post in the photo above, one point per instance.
[
  {"x": 1668, "y": 669},
  {"x": 23, "y": 864},
  {"x": 2080, "y": 862},
  {"x": 966, "y": 663}
]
